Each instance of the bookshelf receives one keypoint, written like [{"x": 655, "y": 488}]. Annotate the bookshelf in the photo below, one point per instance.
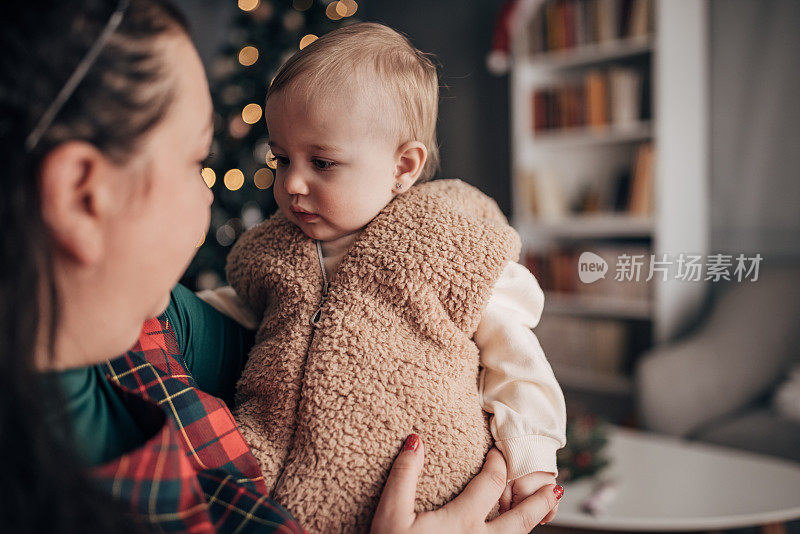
[
  {"x": 590, "y": 54},
  {"x": 609, "y": 155},
  {"x": 581, "y": 136}
]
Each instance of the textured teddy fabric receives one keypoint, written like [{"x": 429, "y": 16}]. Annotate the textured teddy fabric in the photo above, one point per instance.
[{"x": 326, "y": 410}]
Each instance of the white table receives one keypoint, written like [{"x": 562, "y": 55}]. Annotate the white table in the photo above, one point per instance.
[{"x": 667, "y": 483}]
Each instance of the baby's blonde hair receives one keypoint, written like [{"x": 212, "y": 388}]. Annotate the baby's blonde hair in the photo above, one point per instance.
[{"x": 407, "y": 76}]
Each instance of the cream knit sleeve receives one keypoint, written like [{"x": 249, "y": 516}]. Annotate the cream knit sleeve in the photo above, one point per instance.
[{"x": 517, "y": 384}]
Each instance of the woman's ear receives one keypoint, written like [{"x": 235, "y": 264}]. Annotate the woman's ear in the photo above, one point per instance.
[
  {"x": 77, "y": 199},
  {"x": 410, "y": 160}
]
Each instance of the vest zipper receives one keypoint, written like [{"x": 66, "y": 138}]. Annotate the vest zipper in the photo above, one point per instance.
[
  {"x": 316, "y": 317},
  {"x": 314, "y": 321}
]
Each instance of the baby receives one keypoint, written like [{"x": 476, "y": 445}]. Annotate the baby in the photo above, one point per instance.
[{"x": 386, "y": 304}]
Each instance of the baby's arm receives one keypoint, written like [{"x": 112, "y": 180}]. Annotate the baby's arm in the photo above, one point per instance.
[{"x": 517, "y": 384}]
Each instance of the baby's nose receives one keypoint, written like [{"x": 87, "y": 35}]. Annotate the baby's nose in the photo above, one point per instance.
[{"x": 295, "y": 184}]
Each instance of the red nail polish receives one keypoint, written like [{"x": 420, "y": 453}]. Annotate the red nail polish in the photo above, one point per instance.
[
  {"x": 559, "y": 491},
  {"x": 412, "y": 443}
]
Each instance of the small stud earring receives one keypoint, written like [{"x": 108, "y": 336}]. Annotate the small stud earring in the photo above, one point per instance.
[{"x": 398, "y": 186}]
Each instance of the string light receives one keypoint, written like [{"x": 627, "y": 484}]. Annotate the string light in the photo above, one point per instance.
[
  {"x": 264, "y": 178},
  {"x": 251, "y": 113},
  {"x": 307, "y": 40},
  {"x": 209, "y": 176},
  {"x": 234, "y": 179},
  {"x": 248, "y": 5},
  {"x": 248, "y": 55}
]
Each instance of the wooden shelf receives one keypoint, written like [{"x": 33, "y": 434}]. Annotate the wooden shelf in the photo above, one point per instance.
[
  {"x": 601, "y": 225},
  {"x": 597, "y": 306},
  {"x": 586, "y": 136},
  {"x": 593, "y": 381},
  {"x": 591, "y": 54}
]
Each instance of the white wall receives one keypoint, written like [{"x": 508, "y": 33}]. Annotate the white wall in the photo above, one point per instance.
[{"x": 755, "y": 128}]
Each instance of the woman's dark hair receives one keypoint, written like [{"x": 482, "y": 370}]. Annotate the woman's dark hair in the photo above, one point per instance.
[{"x": 124, "y": 94}]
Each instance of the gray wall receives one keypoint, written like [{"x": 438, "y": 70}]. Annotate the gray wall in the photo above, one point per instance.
[
  {"x": 473, "y": 114},
  {"x": 755, "y": 128}
]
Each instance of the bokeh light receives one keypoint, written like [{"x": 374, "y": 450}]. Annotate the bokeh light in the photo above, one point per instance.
[
  {"x": 351, "y": 6},
  {"x": 248, "y": 55},
  {"x": 248, "y": 5},
  {"x": 234, "y": 179},
  {"x": 251, "y": 214},
  {"x": 264, "y": 178},
  {"x": 301, "y": 5},
  {"x": 226, "y": 235},
  {"x": 251, "y": 113},
  {"x": 237, "y": 127},
  {"x": 209, "y": 176},
  {"x": 261, "y": 150},
  {"x": 293, "y": 21},
  {"x": 271, "y": 163},
  {"x": 332, "y": 11},
  {"x": 307, "y": 40}
]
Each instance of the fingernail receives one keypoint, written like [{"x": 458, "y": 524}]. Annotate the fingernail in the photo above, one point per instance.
[
  {"x": 412, "y": 443},
  {"x": 559, "y": 491}
]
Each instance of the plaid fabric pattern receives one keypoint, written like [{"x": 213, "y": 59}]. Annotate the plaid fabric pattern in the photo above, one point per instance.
[{"x": 196, "y": 473}]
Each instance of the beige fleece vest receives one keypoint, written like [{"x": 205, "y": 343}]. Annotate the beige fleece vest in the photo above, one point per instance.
[{"x": 326, "y": 409}]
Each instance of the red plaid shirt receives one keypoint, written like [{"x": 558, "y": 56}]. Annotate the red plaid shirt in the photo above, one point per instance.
[{"x": 195, "y": 473}]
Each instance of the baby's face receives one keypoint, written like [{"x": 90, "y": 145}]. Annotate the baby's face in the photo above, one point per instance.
[{"x": 335, "y": 169}]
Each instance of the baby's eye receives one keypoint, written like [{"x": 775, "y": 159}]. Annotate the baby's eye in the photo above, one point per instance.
[
  {"x": 322, "y": 164},
  {"x": 206, "y": 162},
  {"x": 281, "y": 161}
]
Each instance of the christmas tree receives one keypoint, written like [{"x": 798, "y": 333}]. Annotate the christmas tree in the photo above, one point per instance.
[
  {"x": 583, "y": 456},
  {"x": 266, "y": 33}
]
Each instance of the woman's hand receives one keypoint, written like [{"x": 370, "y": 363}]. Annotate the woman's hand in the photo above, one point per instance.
[{"x": 467, "y": 512}]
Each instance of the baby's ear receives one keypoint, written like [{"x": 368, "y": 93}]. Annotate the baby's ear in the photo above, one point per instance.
[{"x": 410, "y": 160}]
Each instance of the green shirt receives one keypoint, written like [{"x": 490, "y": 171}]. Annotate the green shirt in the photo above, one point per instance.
[{"x": 214, "y": 348}]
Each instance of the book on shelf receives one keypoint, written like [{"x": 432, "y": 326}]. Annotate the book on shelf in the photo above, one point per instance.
[
  {"x": 543, "y": 196},
  {"x": 640, "y": 201},
  {"x": 625, "y": 87},
  {"x": 557, "y": 272},
  {"x": 641, "y": 19},
  {"x": 629, "y": 191},
  {"x": 599, "y": 99},
  {"x": 570, "y": 24}
]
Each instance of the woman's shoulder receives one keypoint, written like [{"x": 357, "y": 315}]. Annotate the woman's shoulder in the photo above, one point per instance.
[{"x": 185, "y": 456}]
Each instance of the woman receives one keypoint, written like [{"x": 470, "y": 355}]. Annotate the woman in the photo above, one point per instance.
[{"x": 105, "y": 121}]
